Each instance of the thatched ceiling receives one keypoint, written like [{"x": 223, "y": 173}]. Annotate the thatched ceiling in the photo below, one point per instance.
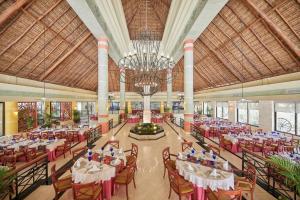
[
  {"x": 46, "y": 40},
  {"x": 239, "y": 46},
  {"x": 137, "y": 17}
]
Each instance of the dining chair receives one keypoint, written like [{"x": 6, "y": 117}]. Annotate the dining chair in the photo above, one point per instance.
[
  {"x": 60, "y": 185},
  {"x": 70, "y": 136},
  {"x": 215, "y": 149},
  {"x": 133, "y": 155},
  {"x": 166, "y": 155},
  {"x": 114, "y": 143},
  {"x": 248, "y": 181},
  {"x": 186, "y": 145},
  {"x": 125, "y": 177},
  {"x": 235, "y": 194},
  {"x": 179, "y": 185},
  {"x": 78, "y": 151},
  {"x": 76, "y": 136},
  {"x": 62, "y": 149},
  {"x": 226, "y": 144},
  {"x": 87, "y": 191}
]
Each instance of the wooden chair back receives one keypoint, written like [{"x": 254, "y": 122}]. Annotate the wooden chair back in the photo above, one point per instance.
[{"x": 186, "y": 145}]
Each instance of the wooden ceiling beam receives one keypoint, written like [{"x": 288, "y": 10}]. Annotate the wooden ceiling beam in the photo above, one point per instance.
[
  {"x": 29, "y": 27},
  {"x": 267, "y": 48},
  {"x": 156, "y": 14},
  {"x": 292, "y": 46},
  {"x": 288, "y": 24},
  {"x": 241, "y": 36},
  {"x": 135, "y": 12},
  {"x": 59, "y": 35},
  {"x": 292, "y": 55},
  {"x": 246, "y": 28},
  {"x": 54, "y": 49},
  {"x": 210, "y": 83},
  {"x": 222, "y": 61},
  {"x": 12, "y": 9},
  {"x": 58, "y": 62},
  {"x": 32, "y": 42},
  {"x": 48, "y": 42}
]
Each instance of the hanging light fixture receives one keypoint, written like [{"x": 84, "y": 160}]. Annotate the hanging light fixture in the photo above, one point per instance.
[
  {"x": 44, "y": 83},
  {"x": 144, "y": 64}
]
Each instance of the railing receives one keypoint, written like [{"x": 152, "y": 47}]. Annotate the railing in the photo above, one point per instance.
[
  {"x": 93, "y": 135},
  {"x": 197, "y": 132},
  {"x": 27, "y": 178},
  {"x": 268, "y": 176},
  {"x": 110, "y": 124}
]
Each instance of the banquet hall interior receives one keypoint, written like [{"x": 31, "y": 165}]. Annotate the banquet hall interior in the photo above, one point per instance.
[{"x": 149, "y": 99}]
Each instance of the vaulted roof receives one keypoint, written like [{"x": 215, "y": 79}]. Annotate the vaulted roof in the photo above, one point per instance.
[
  {"x": 240, "y": 45},
  {"x": 248, "y": 40}
]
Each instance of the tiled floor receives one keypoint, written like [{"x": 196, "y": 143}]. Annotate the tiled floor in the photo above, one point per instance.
[{"x": 149, "y": 177}]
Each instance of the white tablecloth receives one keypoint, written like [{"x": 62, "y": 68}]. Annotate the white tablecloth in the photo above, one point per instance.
[
  {"x": 200, "y": 176},
  {"x": 83, "y": 174}
]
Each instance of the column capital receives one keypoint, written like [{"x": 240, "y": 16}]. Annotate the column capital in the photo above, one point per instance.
[
  {"x": 188, "y": 45},
  {"x": 188, "y": 41},
  {"x": 102, "y": 43}
]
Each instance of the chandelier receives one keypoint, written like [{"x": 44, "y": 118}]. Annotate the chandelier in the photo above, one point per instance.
[{"x": 145, "y": 64}]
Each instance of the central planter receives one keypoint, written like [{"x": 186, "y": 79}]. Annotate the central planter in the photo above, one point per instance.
[{"x": 146, "y": 131}]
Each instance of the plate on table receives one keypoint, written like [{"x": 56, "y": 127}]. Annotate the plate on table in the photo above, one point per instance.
[
  {"x": 115, "y": 162},
  {"x": 217, "y": 176}
]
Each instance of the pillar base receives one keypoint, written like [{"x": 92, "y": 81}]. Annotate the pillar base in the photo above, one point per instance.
[
  {"x": 104, "y": 127},
  {"x": 187, "y": 126}
]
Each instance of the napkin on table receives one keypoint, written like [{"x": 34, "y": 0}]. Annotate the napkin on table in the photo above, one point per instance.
[
  {"x": 225, "y": 165},
  {"x": 214, "y": 172}
]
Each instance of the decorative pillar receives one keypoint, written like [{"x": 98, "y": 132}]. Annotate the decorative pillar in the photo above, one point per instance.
[
  {"x": 169, "y": 90},
  {"x": 11, "y": 118},
  {"x": 188, "y": 84},
  {"x": 122, "y": 92},
  {"x": 162, "y": 107},
  {"x": 147, "y": 111},
  {"x": 103, "y": 83},
  {"x": 129, "y": 107}
]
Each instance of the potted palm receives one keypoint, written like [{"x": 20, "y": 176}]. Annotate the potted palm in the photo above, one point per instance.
[
  {"x": 5, "y": 182},
  {"x": 288, "y": 169},
  {"x": 76, "y": 116}
]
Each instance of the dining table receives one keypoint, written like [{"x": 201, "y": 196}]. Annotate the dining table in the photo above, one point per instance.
[
  {"x": 104, "y": 166},
  {"x": 85, "y": 171},
  {"x": 205, "y": 170},
  {"x": 235, "y": 139}
]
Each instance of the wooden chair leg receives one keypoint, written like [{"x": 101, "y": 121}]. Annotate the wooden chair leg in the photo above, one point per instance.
[
  {"x": 127, "y": 191},
  {"x": 170, "y": 191},
  {"x": 134, "y": 182},
  {"x": 164, "y": 172}
]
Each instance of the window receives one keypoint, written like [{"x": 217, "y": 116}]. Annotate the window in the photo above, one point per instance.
[
  {"x": 253, "y": 113},
  {"x": 114, "y": 107},
  {"x": 86, "y": 109},
  {"x": 40, "y": 106},
  {"x": 61, "y": 110},
  {"x": 55, "y": 110},
  {"x": 155, "y": 106},
  {"x": 198, "y": 107},
  {"x": 207, "y": 108},
  {"x": 287, "y": 117},
  {"x": 222, "y": 110},
  {"x": 248, "y": 113}
]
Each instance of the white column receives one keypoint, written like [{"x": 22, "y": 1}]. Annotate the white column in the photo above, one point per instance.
[
  {"x": 232, "y": 111},
  {"x": 103, "y": 83},
  {"x": 122, "y": 90},
  {"x": 266, "y": 115},
  {"x": 169, "y": 89},
  {"x": 147, "y": 111},
  {"x": 188, "y": 84}
]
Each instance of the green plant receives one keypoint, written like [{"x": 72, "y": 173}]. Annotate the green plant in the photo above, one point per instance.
[
  {"x": 167, "y": 109},
  {"x": 5, "y": 181},
  {"x": 76, "y": 116},
  {"x": 199, "y": 111},
  {"x": 29, "y": 122},
  {"x": 289, "y": 169}
]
